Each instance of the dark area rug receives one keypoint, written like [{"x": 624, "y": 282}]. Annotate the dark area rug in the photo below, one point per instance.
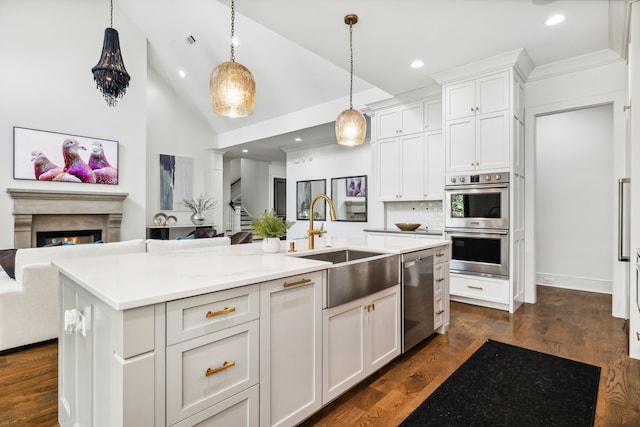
[{"x": 505, "y": 385}]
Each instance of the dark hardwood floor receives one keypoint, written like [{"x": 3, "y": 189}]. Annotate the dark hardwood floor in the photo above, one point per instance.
[{"x": 571, "y": 324}]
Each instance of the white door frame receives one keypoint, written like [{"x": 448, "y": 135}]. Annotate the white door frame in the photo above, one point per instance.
[{"x": 620, "y": 285}]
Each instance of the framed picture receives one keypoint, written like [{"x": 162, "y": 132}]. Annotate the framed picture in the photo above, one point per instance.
[
  {"x": 50, "y": 156},
  {"x": 349, "y": 195},
  {"x": 305, "y": 192},
  {"x": 176, "y": 182},
  {"x": 356, "y": 186}
]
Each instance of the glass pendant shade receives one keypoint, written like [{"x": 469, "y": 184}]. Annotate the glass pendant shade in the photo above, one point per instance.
[
  {"x": 110, "y": 75},
  {"x": 351, "y": 128},
  {"x": 233, "y": 90}
]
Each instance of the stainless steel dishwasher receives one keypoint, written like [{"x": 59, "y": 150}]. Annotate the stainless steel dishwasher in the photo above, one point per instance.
[{"x": 417, "y": 297}]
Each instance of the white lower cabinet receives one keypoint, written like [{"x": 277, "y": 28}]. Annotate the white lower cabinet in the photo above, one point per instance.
[
  {"x": 240, "y": 410},
  {"x": 359, "y": 337},
  {"x": 203, "y": 371},
  {"x": 291, "y": 349}
]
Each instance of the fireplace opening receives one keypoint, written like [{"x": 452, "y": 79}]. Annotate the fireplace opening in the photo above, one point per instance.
[{"x": 50, "y": 238}]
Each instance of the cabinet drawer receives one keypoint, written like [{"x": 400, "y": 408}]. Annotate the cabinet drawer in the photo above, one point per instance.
[
  {"x": 206, "y": 370},
  {"x": 240, "y": 410},
  {"x": 440, "y": 273},
  {"x": 438, "y": 311},
  {"x": 441, "y": 254},
  {"x": 193, "y": 317},
  {"x": 481, "y": 288}
]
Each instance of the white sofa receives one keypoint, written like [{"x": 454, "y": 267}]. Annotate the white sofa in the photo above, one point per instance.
[{"x": 29, "y": 305}]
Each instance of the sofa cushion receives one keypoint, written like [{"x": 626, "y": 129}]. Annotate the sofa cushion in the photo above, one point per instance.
[
  {"x": 8, "y": 261},
  {"x": 155, "y": 245},
  {"x": 46, "y": 255}
]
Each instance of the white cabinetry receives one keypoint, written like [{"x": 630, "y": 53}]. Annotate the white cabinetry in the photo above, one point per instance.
[
  {"x": 441, "y": 289},
  {"x": 398, "y": 121},
  {"x": 477, "y": 123},
  {"x": 212, "y": 354},
  {"x": 411, "y": 164},
  {"x": 359, "y": 337},
  {"x": 291, "y": 349}
]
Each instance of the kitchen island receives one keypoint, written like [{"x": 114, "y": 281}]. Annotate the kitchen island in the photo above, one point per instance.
[{"x": 226, "y": 335}]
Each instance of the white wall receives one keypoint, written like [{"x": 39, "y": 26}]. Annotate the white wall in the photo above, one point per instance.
[
  {"x": 46, "y": 83},
  {"x": 325, "y": 162},
  {"x": 574, "y": 221},
  {"x": 255, "y": 186},
  {"x": 172, "y": 128}
]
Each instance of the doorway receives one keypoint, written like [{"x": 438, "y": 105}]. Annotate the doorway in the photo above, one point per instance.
[
  {"x": 574, "y": 195},
  {"x": 280, "y": 196}
]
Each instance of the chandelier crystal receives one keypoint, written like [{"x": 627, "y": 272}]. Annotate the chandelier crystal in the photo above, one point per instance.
[
  {"x": 231, "y": 85},
  {"x": 110, "y": 74},
  {"x": 351, "y": 126}
]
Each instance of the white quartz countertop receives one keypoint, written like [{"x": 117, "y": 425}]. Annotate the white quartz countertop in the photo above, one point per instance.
[{"x": 135, "y": 280}]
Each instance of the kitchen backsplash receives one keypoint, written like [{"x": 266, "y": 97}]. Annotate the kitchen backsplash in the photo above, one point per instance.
[{"x": 427, "y": 214}]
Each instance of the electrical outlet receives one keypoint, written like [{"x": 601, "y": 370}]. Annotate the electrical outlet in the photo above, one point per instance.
[{"x": 547, "y": 281}]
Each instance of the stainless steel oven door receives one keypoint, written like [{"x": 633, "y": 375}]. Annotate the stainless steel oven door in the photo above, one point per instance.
[
  {"x": 480, "y": 252},
  {"x": 477, "y": 206}
]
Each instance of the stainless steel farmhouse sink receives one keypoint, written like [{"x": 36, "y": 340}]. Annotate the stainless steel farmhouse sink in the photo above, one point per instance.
[{"x": 355, "y": 273}]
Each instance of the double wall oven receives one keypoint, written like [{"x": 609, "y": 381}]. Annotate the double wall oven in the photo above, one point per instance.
[{"x": 477, "y": 222}]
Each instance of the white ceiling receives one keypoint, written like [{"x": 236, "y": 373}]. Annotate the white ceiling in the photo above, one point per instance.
[{"x": 298, "y": 50}]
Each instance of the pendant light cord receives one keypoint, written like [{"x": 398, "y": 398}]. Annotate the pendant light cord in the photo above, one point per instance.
[
  {"x": 233, "y": 19},
  {"x": 111, "y": 13},
  {"x": 351, "y": 66}
]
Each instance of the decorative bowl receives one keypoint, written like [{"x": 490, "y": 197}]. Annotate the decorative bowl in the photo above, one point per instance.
[
  {"x": 160, "y": 219},
  {"x": 407, "y": 227}
]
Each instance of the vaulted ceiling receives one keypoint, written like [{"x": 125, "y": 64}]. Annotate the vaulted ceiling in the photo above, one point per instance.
[{"x": 298, "y": 51}]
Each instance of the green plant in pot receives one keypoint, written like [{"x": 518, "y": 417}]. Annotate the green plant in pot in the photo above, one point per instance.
[{"x": 270, "y": 228}]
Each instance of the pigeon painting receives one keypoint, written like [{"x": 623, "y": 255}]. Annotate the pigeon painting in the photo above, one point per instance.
[
  {"x": 105, "y": 173},
  {"x": 43, "y": 168},
  {"x": 75, "y": 169}
]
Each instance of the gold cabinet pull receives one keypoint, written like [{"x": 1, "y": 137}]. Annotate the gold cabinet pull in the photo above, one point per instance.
[
  {"x": 638, "y": 335},
  {"x": 439, "y": 311},
  {"x": 475, "y": 287},
  {"x": 373, "y": 307},
  {"x": 225, "y": 310},
  {"x": 439, "y": 254},
  {"x": 297, "y": 282},
  {"x": 440, "y": 279},
  {"x": 225, "y": 365}
]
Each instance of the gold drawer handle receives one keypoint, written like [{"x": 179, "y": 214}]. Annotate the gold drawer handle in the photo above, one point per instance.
[
  {"x": 638, "y": 335},
  {"x": 475, "y": 287},
  {"x": 439, "y": 311},
  {"x": 439, "y": 254},
  {"x": 297, "y": 282},
  {"x": 225, "y": 365},
  {"x": 440, "y": 279},
  {"x": 225, "y": 310}
]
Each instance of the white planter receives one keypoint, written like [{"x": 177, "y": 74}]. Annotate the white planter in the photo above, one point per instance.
[{"x": 271, "y": 245}]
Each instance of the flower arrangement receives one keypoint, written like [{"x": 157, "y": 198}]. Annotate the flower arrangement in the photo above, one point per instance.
[
  {"x": 200, "y": 204},
  {"x": 269, "y": 225}
]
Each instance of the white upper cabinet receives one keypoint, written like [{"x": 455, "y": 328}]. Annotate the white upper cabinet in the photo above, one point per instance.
[
  {"x": 399, "y": 121},
  {"x": 433, "y": 115},
  {"x": 483, "y": 95}
]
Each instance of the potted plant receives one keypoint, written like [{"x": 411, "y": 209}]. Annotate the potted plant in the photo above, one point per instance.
[
  {"x": 198, "y": 206},
  {"x": 270, "y": 228}
]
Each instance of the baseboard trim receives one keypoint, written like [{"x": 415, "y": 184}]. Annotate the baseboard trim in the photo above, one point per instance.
[{"x": 576, "y": 283}]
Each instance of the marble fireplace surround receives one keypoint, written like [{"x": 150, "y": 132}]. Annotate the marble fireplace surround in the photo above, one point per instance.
[{"x": 43, "y": 210}]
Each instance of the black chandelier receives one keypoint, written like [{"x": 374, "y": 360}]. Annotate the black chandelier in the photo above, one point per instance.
[{"x": 109, "y": 73}]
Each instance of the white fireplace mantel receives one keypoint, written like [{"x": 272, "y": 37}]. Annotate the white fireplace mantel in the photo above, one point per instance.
[{"x": 44, "y": 210}]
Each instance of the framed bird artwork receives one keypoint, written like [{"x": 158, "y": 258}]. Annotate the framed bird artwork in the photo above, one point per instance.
[{"x": 52, "y": 156}]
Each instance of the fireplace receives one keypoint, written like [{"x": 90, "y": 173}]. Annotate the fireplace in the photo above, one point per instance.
[
  {"x": 49, "y": 238},
  {"x": 39, "y": 211}
]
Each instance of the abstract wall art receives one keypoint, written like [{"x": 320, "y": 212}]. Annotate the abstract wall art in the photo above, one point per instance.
[{"x": 176, "y": 182}]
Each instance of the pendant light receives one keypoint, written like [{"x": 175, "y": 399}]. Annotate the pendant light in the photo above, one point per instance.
[
  {"x": 232, "y": 88},
  {"x": 351, "y": 126},
  {"x": 109, "y": 73}
]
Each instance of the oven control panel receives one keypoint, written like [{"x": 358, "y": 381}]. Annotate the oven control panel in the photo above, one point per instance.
[{"x": 484, "y": 178}]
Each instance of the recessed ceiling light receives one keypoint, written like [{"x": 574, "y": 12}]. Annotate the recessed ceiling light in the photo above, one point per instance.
[
  {"x": 298, "y": 139},
  {"x": 417, "y": 64},
  {"x": 554, "y": 20},
  {"x": 182, "y": 74},
  {"x": 245, "y": 150}
]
